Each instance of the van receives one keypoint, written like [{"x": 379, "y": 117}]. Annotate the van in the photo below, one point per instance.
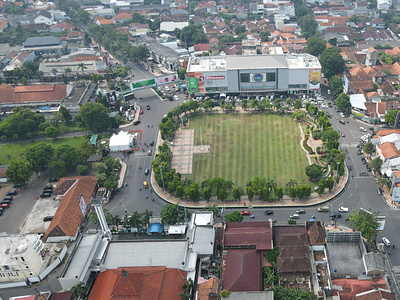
[{"x": 323, "y": 208}]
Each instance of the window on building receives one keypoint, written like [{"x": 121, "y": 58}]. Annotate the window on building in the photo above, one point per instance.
[
  {"x": 245, "y": 77},
  {"x": 22, "y": 258},
  {"x": 270, "y": 77}
]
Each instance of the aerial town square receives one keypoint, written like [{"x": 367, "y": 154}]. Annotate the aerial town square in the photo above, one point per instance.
[{"x": 199, "y": 150}]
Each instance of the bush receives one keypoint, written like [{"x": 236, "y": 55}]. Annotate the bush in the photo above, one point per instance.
[
  {"x": 82, "y": 169},
  {"x": 308, "y": 148}
]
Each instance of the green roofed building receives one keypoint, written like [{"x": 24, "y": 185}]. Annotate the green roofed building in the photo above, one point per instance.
[{"x": 93, "y": 139}]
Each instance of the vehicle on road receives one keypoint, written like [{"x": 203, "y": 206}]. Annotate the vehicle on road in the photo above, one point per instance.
[
  {"x": 141, "y": 112},
  {"x": 5, "y": 202},
  {"x": 294, "y": 216},
  {"x": 268, "y": 212},
  {"x": 300, "y": 211},
  {"x": 11, "y": 193},
  {"x": 342, "y": 122},
  {"x": 146, "y": 172},
  {"x": 363, "y": 160},
  {"x": 323, "y": 209},
  {"x": 343, "y": 209},
  {"x": 386, "y": 241},
  {"x": 148, "y": 107},
  {"x": 368, "y": 168},
  {"x": 245, "y": 213},
  {"x": 149, "y": 152},
  {"x": 145, "y": 185},
  {"x": 342, "y": 134},
  {"x": 136, "y": 122},
  {"x": 380, "y": 191},
  {"x": 363, "y": 129},
  {"x": 152, "y": 143},
  {"x": 335, "y": 215}
]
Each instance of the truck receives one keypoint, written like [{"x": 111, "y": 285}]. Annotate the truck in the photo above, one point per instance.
[{"x": 323, "y": 209}]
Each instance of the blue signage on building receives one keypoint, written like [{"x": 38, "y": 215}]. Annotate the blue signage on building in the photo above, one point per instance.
[{"x": 258, "y": 77}]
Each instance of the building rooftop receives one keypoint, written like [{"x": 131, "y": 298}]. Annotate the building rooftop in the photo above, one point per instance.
[
  {"x": 43, "y": 41},
  {"x": 256, "y": 235},
  {"x": 11, "y": 245}
]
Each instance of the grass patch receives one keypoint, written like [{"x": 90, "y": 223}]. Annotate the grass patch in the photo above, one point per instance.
[
  {"x": 245, "y": 145},
  {"x": 12, "y": 152}
]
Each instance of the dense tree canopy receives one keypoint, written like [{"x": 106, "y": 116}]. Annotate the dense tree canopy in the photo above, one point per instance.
[
  {"x": 336, "y": 85},
  {"x": 332, "y": 62},
  {"x": 390, "y": 117},
  {"x": 173, "y": 214},
  {"x": 365, "y": 222},
  {"x": 316, "y": 45},
  {"x": 20, "y": 123},
  {"x": 343, "y": 102},
  {"x": 193, "y": 34},
  {"x": 314, "y": 171},
  {"x": 39, "y": 156},
  {"x": 94, "y": 116},
  {"x": 18, "y": 172}
]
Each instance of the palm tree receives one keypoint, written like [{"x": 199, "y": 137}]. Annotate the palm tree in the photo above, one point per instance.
[
  {"x": 54, "y": 72},
  {"x": 146, "y": 215},
  {"x": 291, "y": 183},
  {"x": 67, "y": 71},
  {"x": 213, "y": 208},
  {"x": 82, "y": 67},
  {"x": 271, "y": 185},
  {"x": 78, "y": 290},
  {"x": 39, "y": 74}
]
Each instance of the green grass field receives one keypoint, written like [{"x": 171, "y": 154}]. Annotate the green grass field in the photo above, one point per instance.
[
  {"x": 12, "y": 152},
  {"x": 247, "y": 145}
]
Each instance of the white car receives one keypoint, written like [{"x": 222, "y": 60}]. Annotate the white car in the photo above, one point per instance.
[
  {"x": 343, "y": 209},
  {"x": 386, "y": 241},
  {"x": 167, "y": 88},
  {"x": 329, "y": 92},
  {"x": 363, "y": 129}
]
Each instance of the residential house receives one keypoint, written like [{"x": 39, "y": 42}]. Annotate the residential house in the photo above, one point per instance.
[
  {"x": 20, "y": 59},
  {"x": 107, "y": 13},
  {"x": 64, "y": 26},
  {"x": 199, "y": 49},
  {"x": 207, "y": 289},
  {"x": 347, "y": 288},
  {"x": 387, "y": 151},
  {"x": 376, "y": 293},
  {"x": 76, "y": 37},
  {"x": 44, "y": 17},
  {"x": 171, "y": 26},
  {"x": 378, "y": 23},
  {"x": 372, "y": 56},
  {"x": 3, "y": 25},
  {"x": 120, "y": 5},
  {"x": 361, "y": 7},
  {"x": 139, "y": 283},
  {"x": 138, "y": 30},
  {"x": 75, "y": 194},
  {"x": 122, "y": 17},
  {"x": 249, "y": 46}
]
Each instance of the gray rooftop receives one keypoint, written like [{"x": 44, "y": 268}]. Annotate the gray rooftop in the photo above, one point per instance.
[
  {"x": 235, "y": 62},
  {"x": 146, "y": 254},
  {"x": 346, "y": 258},
  {"x": 42, "y": 41},
  {"x": 162, "y": 50}
]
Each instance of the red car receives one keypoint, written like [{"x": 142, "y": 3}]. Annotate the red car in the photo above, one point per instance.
[
  {"x": 245, "y": 213},
  {"x": 343, "y": 135},
  {"x": 5, "y": 205},
  {"x": 141, "y": 112}
]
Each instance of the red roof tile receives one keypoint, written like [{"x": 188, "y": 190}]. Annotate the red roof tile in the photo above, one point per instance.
[
  {"x": 389, "y": 150},
  {"x": 257, "y": 234},
  {"x": 241, "y": 271},
  {"x": 351, "y": 287},
  {"x": 201, "y": 47},
  {"x": 68, "y": 216},
  {"x": 31, "y": 93},
  {"x": 3, "y": 24},
  {"x": 385, "y": 132},
  {"x": 158, "y": 283},
  {"x": 207, "y": 289}
]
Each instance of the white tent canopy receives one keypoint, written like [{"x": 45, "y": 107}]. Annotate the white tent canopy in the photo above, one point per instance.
[{"x": 121, "y": 142}]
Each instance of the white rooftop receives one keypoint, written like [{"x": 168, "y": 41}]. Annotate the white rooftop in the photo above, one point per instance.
[
  {"x": 358, "y": 101},
  {"x": 203, "y": 218},
  {"x": 171, "y": 26},
  {"x": 11, "y": 245},
  {"x": 146, "y": 254},
  {"x": 391, "y": 138},
  {"x": 123, "y": 138}
]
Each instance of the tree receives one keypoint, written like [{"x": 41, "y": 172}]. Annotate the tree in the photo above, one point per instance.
[
  {"x": 18, "y": 172},
  {"x": 94, "y": 116},
  {"x": 321, "y": 187},
  {"x": 336, "y": 85},
  {"x": 314, "y": 171},
  {"x": 182, "y": 74},
  {"x": 193, "y": 34},
  {"x": 343, "y": 102},
  {"x": 332, "y": 62},
  {"x": 240, "y": 29},
  {"x": 279, "y": 192},
  {"x": 78, "y": 290},
  {"x": 237, "y": 193},
  {"x": 264, "y": 35},
  {"x": 376, "y": 164},
  {"x": 82, "y": 67},
  {"x": 234, "y": 217},
  {"x": 297, "y": 104},
  {"x": 308, "y": 25},
  {"x": 316, "y": 45},
  {"x": 39, "y": 156},
  {"x": 293, "y": 192},
  {"x": 58, "y": 168},
  {"x": 215, "y": 209},
  {"x": 66, "y": 115},
  {"x": 369, "y": 148},
  {"x": 224, "y": 294},
  {"x": 390, "y": 117},
  {"x": 207, "y": 193},
  {"x": 173, "y": 214},
  {"x": 365, "y": 222},
  {"x": 82, "y": 169},
  {"x": 51, "y": 132},
  {"x": 67, "y": 154}
]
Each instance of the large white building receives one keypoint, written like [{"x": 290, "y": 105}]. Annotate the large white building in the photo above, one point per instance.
[{"x": 253, "y": 74}]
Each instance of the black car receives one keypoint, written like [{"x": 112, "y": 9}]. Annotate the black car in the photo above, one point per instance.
[
  {"x": 368, "y": 168},
  {"x": 268, "y": 212},
  {"x": 364, "y": 161},
  {"x": 136, "y": 122},
  {"x": 146, "y": 172},
  {"x": 5, "y": 202},
  {"x": 148, "y": 107},
  {"x": 17, "y": 186},
  {"x": 45, "y": 195},
  {"x": 301, "y": 211},
  {"x": 47, "y": 218},
  {"x": 380, "y": 191},
  {"x": 11, "y": 193},
  {"x": 152, "y": 143},
  {"x": 335, "y": 215},
  {"x": 10, "y": 198},
  {"x": 46, "y": 191}
]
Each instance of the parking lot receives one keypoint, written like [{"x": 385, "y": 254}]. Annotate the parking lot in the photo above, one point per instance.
[{"x": 20, "y": 214}]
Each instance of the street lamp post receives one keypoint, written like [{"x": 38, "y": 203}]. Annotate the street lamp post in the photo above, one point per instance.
[{"x": 162, "y": 178}]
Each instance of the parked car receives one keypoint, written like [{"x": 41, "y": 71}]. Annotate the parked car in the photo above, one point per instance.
[
  {"x": 363, "y": 129},
  {"x": 386, "y": 241},
  {"x": 11, "y": 193},
  {"x": 10, "y": 198},
  {"x": 343, "y": 209},
  {"x": 335, "y": 215},
  {"x": 152, "y": 143},
  {"x": 149, "y": 152},
  {"x": 17, "y": 186},
  {"x": 294, "y": 216},
  {"x": 380, "y": 191},
  {"x": 245, "y": 213},
  {"x": 268, "y": 212},
  {"x": 148, "y": 107},
  {"x": 368, "y": 168},
  {"x": 301, "y": 211},
  {"x": 136, "y": 122},
  {"x": 146, "y": 172},
  {"x": 329, "y": 92},
  {"x": 54, "y": 179},
  {"x": 342, "y": 134},
  {"x": 364, "y": 161},
  {"x": 5, "y": 205},
  {"x": 45, "y": 195},
  {"x": 47, "y": 218},
  {"x": 5, "y": 202},
  {"x": 46, "y": 191}
]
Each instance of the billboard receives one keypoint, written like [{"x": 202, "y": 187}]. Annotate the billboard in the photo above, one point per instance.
[
  {"x": 314, "y": 79},
  {"x": 396, "y": 194},
  {"x": 166, "y": 79},
  {"x": 258, "y": 77},
  {"x": 345, "y": 84},
  {"x": 143, "y": 84},
  {"x": 82, "y": 205},
  {"x": 112, "y": 98},
  {"x": 193, "y": 85}
]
